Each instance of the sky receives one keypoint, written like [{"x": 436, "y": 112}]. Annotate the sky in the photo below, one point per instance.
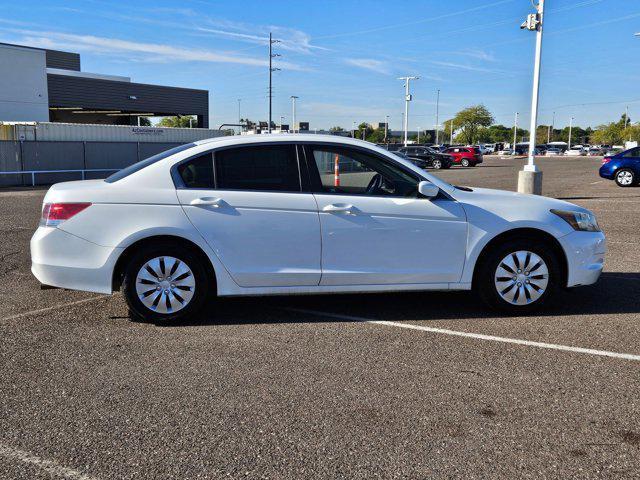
[{"x": 342, "y": 58}]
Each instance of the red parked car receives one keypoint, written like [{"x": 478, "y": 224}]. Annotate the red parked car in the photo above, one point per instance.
[{"x": 465, "y": 156}]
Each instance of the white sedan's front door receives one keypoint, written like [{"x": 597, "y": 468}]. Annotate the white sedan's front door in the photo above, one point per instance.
[{"x": 376, "y": 230}]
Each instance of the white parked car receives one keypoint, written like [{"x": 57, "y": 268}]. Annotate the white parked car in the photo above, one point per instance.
[
  {"x": 553, "y": 152},
  {"x": 576, "y": 151},
  {"x": 300, "y": 214}
]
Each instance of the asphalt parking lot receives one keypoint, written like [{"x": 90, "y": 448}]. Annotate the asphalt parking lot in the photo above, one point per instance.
[{"x": 351, "y": 386}]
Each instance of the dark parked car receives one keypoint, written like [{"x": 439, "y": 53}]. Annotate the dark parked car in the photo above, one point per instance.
[
  {"x": 427, "y": 157},
  {"x": 623, "y": 167},
  {"x": 465, "y": 156}
]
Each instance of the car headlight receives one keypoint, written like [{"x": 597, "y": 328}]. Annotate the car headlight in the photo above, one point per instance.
[{"x": 581, "y": 221}]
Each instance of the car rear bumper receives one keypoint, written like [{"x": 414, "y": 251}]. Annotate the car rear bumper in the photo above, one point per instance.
[
  {"x": 585, "y": 257},
  {"x": 60, "y": 259},
  {"x": 607, "y": 171}
]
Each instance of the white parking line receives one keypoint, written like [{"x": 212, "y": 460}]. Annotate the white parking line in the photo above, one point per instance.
[
  {"x": 477, "y": 336},
  {"x": 50, "y": 466},
  {"x": 48, "y": 309}
]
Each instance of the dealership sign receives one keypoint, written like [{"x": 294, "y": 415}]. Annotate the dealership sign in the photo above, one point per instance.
[{"x": 147, "y": 131}]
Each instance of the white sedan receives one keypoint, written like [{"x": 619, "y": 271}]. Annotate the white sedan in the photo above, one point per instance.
[{"x": 301, "y": 214}]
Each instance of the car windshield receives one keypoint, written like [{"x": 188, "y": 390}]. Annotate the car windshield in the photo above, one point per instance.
[{"x": 125, "y": 172}]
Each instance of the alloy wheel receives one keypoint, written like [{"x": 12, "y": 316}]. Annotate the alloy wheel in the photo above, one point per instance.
[
  {"x": 165, "y": 284},
  {"x": 521, "y": 277},
  {"x": 437, "y": 164}
]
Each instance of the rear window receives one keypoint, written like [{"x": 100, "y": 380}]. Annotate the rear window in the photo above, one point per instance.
[
  {"x": 125, "y": 172},
  {"x": 264, "y": 167}
]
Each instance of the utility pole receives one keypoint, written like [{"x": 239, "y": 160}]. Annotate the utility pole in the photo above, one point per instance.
[
  {"x": 271, "y": 70},
  {"x": 386, "y": 128},
  {"x": 407, "y": 99},
  {"x": 353, "y": 130},
  {"x": 293, "y": 113},
  {"x": 515, "y": 135},
  {"x": 418, "y": 134},
  {"x": 530, "y": 178},
  {"x": 437, "y": 115},
  {"x": 570, "y": 129},
  {"x": 451, "y": 128},
  {"x": 239, "y": 116}
]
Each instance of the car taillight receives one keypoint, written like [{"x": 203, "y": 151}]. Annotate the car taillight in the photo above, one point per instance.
[
  {"x": 606, "y": 160},
  {"x": 54, "y": 214}
]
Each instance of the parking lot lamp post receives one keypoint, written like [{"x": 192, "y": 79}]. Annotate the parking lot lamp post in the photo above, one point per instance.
[
  {"x": 515, "y": 135},
  {"x": 570, "y": 129},
  {"x": 386, "y": 128},
  {"x": 451, "y": 128},
  {"x": 530, "y": 178},
  {"x": 437, "y": 114},
  {"x": 353, "y": 130},
  {"x": 407, "y": 99},
  {"x": 293, "y": 113}
]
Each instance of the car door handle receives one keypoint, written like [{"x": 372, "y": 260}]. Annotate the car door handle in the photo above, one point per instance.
[
  {"x": 346, "y": 209},
  {"x": 207, "y": 201}
]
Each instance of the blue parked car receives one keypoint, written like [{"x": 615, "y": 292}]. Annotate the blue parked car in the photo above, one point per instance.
[{"x": 623, "y": 167}]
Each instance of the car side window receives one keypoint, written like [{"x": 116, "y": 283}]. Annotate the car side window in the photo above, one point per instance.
[
  {"x": 353, "y": 172},
  {"x": 258, "y": 167},
  {"x": 198, "y": 172},
  {"x": 633, "y": 153}
]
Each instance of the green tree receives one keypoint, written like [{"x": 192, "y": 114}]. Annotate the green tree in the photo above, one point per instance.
[
  {"x": 336, "y": 129},
  {"x": 364, "y": 127},
  {"x": 178, "y": 122},
  {"x": 470, "y": 120}
]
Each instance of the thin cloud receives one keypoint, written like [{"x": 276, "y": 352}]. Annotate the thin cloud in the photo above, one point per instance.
[
  {"x": 144, "y": 51},
  {"x": 369, "y": 64},
  {"x": 470, "y": 68}
]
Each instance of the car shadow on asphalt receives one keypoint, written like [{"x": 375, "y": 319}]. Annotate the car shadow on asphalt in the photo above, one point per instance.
[{"x": 615, "y": 293}]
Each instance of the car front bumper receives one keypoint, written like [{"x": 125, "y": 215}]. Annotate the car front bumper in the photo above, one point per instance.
[
  {"x": 585, "y": 257},
  {"x": 60, "y": 259}
]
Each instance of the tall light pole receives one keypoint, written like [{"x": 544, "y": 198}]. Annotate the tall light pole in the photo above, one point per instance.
[
  {"x": 239, "y": 117},
  {"x": 451, "y": 127},
  {"x": 386, "y": 128},
  {"x": 530, "y": 178},
  {"x": 407, "y": 99},
  {"x": 515, "y": 135},
  {"x": 418, "y": 134},
  {"x": 353, "y": 130},
  {"x": 570, "y": 129},
  {"x": 271, "y": 70},
  {"x": 293, "y": 113},
  {"x": 437, "y": 114},
  {"x": 553, "y": 121}
]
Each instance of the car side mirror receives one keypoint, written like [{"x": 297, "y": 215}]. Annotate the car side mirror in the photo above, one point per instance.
[{"x": 428, "y": 189}]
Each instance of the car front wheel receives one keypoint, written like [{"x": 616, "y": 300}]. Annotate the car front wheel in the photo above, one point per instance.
[
  {"x": 518, "y": 276},
  {"x": 625, "y": 178},
  {"x": 165, "y": 283},
  {"x": 465, "y": 162},
  {"x": 437, "y": 164}
]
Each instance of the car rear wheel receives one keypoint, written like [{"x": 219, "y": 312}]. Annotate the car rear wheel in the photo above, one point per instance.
[
  {"x": 518, "y": 276},
  {"x": 465, "y": 162},
  {"x": 625, "y": 178},
  {"x": 437, "y": 164},
  {"x": 165, "y": 283}
]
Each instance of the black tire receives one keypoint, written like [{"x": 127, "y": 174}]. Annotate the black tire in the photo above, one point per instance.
[
  {"x": 484, "y": 281},
  {"x": 436, "y": 164},
  {"x": 194, "y": 261},
  {"x": 622, "y": 178},
  {"x": 465, "y": 162}
]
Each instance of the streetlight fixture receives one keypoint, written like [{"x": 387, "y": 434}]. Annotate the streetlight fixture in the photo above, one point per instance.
[
  {"x": 530, "y": 178},
  {"x": 407, "y": 99},
  {"x": 515, "y": 135},
  {"x": 437, "y": 115}
]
